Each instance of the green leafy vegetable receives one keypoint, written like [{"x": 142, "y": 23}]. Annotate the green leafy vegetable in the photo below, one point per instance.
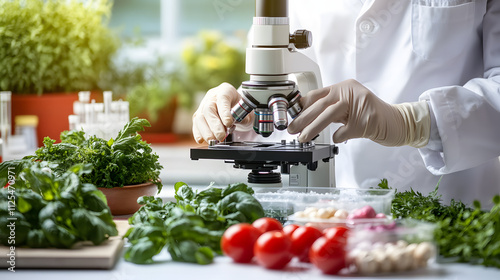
[
  {"x": 468, "y": 234},
  {"x": 55, "y": 46},
  {"x": 54, "y": 210},
  {"x": 126, "y": 160},
  {"x": 192, "y": 227}
]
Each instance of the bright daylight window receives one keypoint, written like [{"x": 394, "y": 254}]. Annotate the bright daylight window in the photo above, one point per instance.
[{"x": 173, "y": 20}]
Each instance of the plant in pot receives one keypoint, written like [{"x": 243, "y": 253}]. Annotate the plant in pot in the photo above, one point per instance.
[
  {"x": 209, "y": 60},
  {"x": 48, "y": 47},
  {"x": 157, "y": 90},
  {"x": 151, "y": 88},
  {"x": 124, "y": 168}
]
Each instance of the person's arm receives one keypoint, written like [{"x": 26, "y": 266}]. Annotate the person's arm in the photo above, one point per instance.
[{"x": 465, "y": 126}]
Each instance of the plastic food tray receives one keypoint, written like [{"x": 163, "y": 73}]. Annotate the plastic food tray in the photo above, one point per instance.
[
  {"x": 283, "y": 203},
  {"x": 395, "y": 247}
]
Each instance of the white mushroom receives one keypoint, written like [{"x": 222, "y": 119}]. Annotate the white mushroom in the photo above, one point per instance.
[
  {"x": 322, "y": 213},
  {"x": 424, "y": 251},
  {"x": 341, "y": 214},
  {"x": 300, "y": 214},
  {"x": 366, "y": 264}
]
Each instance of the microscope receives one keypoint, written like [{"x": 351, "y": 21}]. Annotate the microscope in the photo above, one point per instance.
[{"x": 279, "y": 75}]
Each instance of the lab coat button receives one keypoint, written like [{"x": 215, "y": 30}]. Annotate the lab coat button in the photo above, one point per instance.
[{"x": 366, "y": 26}]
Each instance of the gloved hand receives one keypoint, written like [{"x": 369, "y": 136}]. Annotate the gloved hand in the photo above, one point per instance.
[
  {"x": 364, "y": 115},
  {"x": 213, "y": 117}
]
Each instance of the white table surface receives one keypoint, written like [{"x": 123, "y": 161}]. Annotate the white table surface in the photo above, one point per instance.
[
  {"x": 178, "y": 167},
  {"x": 224, "y": 269}
]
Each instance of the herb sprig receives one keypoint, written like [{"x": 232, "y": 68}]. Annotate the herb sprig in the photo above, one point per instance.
[
  {"x": 463, "y": 233},
  {"x": 125, "y": 160}
]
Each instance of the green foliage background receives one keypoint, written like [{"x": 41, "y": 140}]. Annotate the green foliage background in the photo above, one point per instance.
[{"x": 54, "y": 46}]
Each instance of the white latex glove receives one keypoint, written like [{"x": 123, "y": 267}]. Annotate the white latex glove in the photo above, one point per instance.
[
  {"x": 364, "y": 115},
  {"x": 213, "y": 117}
]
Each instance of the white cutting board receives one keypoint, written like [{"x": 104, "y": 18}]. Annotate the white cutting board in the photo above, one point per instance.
[{"x": 82, "y": 255}]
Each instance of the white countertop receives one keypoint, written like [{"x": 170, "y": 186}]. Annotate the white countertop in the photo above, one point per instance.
[
  {"x": 224, "y": 269},
  {"x": 178, "y": 166},
  {"x": 198, "y": 174}
]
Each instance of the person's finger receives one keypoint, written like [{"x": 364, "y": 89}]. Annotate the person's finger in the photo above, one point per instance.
[
  {"x": 333, "y": 113},
  {"x": 312, "y": 96},
  {"x": 343, "y": 134},
  {"x": 214, "y": 122},
  {"x": 307, "y": 116},
  {"x": 226, "y": 99},
  {"x": 196, "y": 133},
  {"x": 201, "y": 130}
]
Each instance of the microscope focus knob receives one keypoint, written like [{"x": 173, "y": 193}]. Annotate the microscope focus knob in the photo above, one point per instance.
[{"x": 302, "y": 39}]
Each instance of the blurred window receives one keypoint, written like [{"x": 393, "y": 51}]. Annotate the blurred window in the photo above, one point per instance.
[{"x": 175, "y": 19}]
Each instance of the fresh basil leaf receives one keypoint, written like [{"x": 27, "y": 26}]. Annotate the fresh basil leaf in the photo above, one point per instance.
[
  {"x": 142, "y": 252},
  {"x": 57, "y": 236},
  {"x": 36, "y": 239},
  {"x": 91, "y": 226},
  {"x": 235, "y": 188},
  {"x": 243, "y": 203}
]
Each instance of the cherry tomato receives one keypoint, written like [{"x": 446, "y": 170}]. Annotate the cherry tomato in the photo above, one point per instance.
[
  {"x": 272, "y": 250},
  {"x": 328, "y": 255},
  {"x": 302, "y": 239},
  {"x": 267, "y": 224},
  {"x": 338, "y": 233},
  {"x": 289, "y": 229},
  {"x": 238, "y": 240}
]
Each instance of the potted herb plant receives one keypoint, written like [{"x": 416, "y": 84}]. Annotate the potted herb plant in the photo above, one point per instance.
[
  {"x": 157, "y": 90},
  {"x": 151, "y": 88},
  {"x": 209, "y": 60},
  {"x": 48, "y": 47},
  {"x": 123, "y": 168}
]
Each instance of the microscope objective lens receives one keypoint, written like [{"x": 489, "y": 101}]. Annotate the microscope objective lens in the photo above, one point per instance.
[
  {"x": 279, "y": 107},
  {"x": 265, "y": 121}
]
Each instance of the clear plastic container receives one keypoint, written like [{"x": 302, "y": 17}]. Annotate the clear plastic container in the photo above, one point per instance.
[
  {"x": 276, "y": 205},
  {"x": 393, "y": 247},
  {"x": 284, "y": 203},
  {"x": 324, "y": 208}
]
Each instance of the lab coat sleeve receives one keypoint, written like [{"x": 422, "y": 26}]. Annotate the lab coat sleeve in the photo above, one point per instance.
[{"x": 467, "y": 118}]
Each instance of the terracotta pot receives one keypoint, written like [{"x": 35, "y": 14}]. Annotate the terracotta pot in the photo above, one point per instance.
[
  {"x": 123, "y": 201},
  {"x": 161, "y": 131},
  {"x": 165, "y": 120},
  {"x": 52, "y": 110}
]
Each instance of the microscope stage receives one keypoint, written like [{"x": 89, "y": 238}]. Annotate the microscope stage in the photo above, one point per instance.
[{"x": 291, "y": 152}]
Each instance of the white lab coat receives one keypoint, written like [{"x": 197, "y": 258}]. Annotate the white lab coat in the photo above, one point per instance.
[{"x": 444, "y": 51}]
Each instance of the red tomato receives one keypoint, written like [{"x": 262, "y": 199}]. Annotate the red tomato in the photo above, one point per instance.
[
  {"x": 338, "y": 233},
  {"x": 238, "y": 240},
  {"x": 302, "y": 239},
  {"x": 289, "y": 229},
  {"x": 272, "y": 249},
  {"x": 328, "y": 255},
  {"x": 267, "y": 224}
]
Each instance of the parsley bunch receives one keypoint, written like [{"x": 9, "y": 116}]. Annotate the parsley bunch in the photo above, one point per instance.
[
  {"x": 125, "y": 160},
  {"x": 467, "y": 234}
]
